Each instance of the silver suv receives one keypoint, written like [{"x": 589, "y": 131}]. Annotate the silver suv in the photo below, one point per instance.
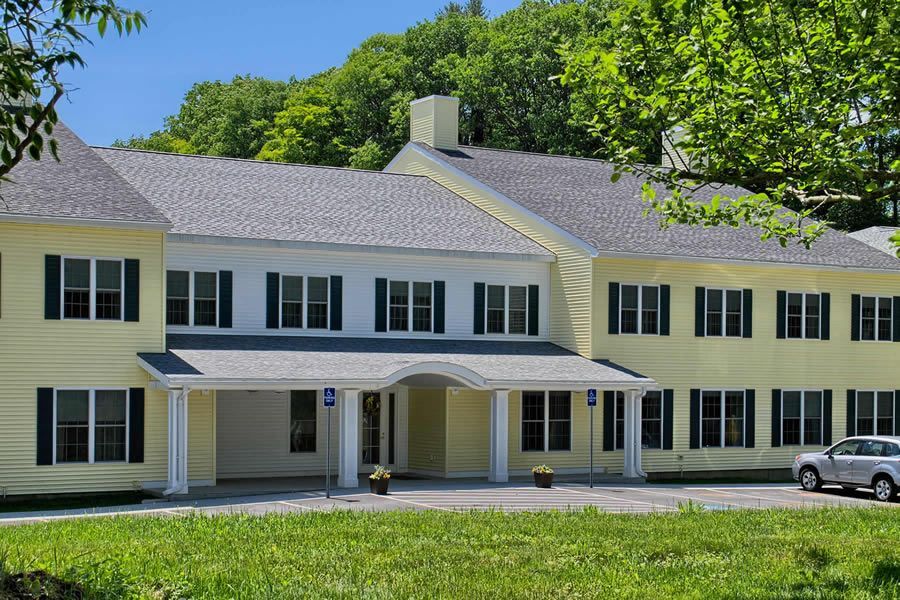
[{"x": 869, "y": 461}]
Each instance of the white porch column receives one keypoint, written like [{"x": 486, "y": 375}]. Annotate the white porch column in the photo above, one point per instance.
[
  {"x": 499, "y": 443},
  {"x": 178, "y": 442},
  {"x": 628, "y": 445},
  {"x": 638, "y": 440},
  {"x": 348, "y": 439}
]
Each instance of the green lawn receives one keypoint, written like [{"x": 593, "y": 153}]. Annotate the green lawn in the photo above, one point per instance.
[{"x": 826, "y": 553}]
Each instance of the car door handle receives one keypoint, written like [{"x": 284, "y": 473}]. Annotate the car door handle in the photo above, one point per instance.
[
  {"x": 849, "y": 462},
  {"x": 877, "y": 462}
]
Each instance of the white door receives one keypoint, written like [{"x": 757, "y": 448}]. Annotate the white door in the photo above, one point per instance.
[{"x": 378, "y": 429}]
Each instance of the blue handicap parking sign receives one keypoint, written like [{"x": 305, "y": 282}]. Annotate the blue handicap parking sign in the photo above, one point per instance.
[
  {"x": 329, "y": 397},
  {"x": 592, "y": 397}
]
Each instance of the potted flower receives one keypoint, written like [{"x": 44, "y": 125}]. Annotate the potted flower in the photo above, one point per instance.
[
  {"x": 379, "y": 480},
  {"x": 543, "y": 476}
]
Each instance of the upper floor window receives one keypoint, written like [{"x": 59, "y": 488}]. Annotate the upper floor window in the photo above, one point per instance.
[
  {"x": 722, "y": 418},
  {"x": 303, "y": 420},
  {"x": 546, "y": 421},
  {"x": 90, "y": 425},
  {"x": 410, "y": 305},
  {"x": 191, "y": 298},
  {"x": 801, "y": 417},
  {"x": 804, "y": 315},
  {"x": 92, "y": 288},
  {"x": 876, "y": 318},
  {"x": 724, "y": 312},
  {"x": 639, "y": 309},
  {"x": 874, "y": 413},
  {"x": 507, "y": 309},
  {"x": 297, "y": 291}
]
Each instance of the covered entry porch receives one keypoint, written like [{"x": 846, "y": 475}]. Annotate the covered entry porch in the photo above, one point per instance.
[{"x": 433, "y": 407}]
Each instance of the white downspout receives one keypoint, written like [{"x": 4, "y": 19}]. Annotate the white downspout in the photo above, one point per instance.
[
  {"x": 637, "y": 432},
  {"x": 177, "y": 442}
]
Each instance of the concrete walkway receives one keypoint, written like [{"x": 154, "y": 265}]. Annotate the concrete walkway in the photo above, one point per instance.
[{"x": 459, "y": 496}]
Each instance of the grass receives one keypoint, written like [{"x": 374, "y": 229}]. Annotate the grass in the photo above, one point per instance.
[
  {"x": 825, "y": 553},
  {"x": 72, "y": 501}
]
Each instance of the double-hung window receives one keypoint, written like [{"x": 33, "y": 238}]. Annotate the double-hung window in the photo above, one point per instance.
[
  {"x": 91, "y": 425},
  {"x": 639, "y": 309},
  {"x": 722, "y": 418},
  {"x": 651, "y": 420},
  {"x": 507, "y": 309},
  {"x": 191, "y": 298},
  {"x": 875, "y": 413},
  {"x": 297, "y": 291},
  {"x": 92, "y": 288},
  {"x": 724, "y": 312},
  {"x": 804, "y": 315},
  {"x": 410, "y": 305},
  {"x": 876, "y": 318},
  {"x": 303, "y": 421},
  {"x": 546, "y": 421},
  {"x": 801, "y": 417}
]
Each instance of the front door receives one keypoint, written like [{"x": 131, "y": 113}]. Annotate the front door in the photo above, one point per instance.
[{"x": 377, "y": 442}]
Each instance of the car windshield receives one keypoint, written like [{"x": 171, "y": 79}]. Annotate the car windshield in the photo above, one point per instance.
[{"x": 847, "y": 448}]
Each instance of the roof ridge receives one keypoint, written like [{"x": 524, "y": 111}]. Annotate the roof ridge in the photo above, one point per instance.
[
  {"x": 249, "y": 160},
  {"x": 543, "y": 154}
]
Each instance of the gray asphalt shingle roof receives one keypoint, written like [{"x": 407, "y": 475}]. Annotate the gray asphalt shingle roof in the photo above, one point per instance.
[
  {"x": 288, "y": 202},
  {"x": 878, "y": 237},
  {"x": 80, "y": 186},
  {"x": 576, "y": 194},
  {"x": 224, "y": 358}
]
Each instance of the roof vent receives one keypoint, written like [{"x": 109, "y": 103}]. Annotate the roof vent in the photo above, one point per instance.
[{"x": 434, "y": 120}]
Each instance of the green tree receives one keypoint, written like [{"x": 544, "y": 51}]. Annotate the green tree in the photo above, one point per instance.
[
  {"x": 794, "y": 101},
  {"x": 38, "y": 38},
  {"x": 158, "y": 141}
]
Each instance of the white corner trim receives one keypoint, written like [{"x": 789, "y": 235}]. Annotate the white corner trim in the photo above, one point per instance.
[
  {"x": 506, "y": 201},
  {"x": 83, "y": 222}
]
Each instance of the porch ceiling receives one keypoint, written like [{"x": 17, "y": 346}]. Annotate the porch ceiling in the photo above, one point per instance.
[{"x": 237, "y": 361}]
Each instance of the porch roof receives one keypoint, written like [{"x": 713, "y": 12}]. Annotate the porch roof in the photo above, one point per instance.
[{"x": 239, "y": 361}]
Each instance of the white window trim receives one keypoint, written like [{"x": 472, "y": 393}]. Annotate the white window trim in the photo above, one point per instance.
[
  {"x": 662, "y": 421},
  {"x": 803, "y": 335},
  {"x": 190, "y": 273},
  {"x": 92, "y": 424},
  {"x": 722, "y": 393},
  {"x": 878, "y": 298},
  {"x": 546, "y": 422},
  {"x": 724, "y": 291},
  {"x": 874, "y": 410},
  {"x": 92, "y": 299},
  {"x": 409, "y": 305},
  {"x": 640, "y": 307},
  {"x": 304, "y": 317},
  {"x": 803, "y": 393},
  {"x": 506, "y": 308}
]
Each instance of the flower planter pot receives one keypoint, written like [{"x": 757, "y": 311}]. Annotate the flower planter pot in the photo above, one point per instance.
[
  {"x": 543, "y": 480},
  {"x": 379, "y": 486}
]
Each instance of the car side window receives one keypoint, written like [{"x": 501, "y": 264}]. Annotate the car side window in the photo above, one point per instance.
[
  {"x": 848, "y": 448},
  {"x": 891, "y": 450},
  {"x": 872, "y": 449}
]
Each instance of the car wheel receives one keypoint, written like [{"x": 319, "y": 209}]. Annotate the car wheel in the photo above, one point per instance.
[
  {"x": 883, "y": 488},
  {"x": 809, "y": 480}
]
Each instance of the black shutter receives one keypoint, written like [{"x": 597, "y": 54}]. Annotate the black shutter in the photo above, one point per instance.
[
  {"x": 609, "y": 420},
  {"x": 668, "y": 407},
  {"x": 440, "y": 306},
  {"x": 533, "y": 309},
  {"x": 826, "y": 315},
  {"x": 781, "y": 315},
  {"x": 132, "y": 289},
  {"x": 750, "y": 418},
  {"x": 136, "y": 425},
  {"x": 478, "y": 309},
  {"x": 826, "y": 418},
  {"x": 896, "y": 315},
  {"x": 226, "y": 291},
  {"x": 45, "y": 425},
  {"x": 748, "y": 314},
  {"x": 52, "y": 266},
  {"x": 854, "y": 318},
  {"x": 700, "y": 313},
  {"x": 273, "y": 285},
  {"x": 336, "y": 318},
  {"x": 851, "y": 413},
  {"x": 665, "y": 302},
  {"x": 381, "y": 304},
  {"x": 613, "y": 308},
  {"x": 695, "y": 418},
  {"x": 776, "y": 417}
]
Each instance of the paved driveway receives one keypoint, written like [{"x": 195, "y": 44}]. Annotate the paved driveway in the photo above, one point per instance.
[{"x": 464, "y": 496}]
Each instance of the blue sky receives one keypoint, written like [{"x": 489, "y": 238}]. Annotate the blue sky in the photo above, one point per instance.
[{"x": 130, "y": 84}]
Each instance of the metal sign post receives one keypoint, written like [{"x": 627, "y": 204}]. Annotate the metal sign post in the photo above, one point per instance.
[
  {"x": 591, "y": 402},
  {"x": 328, "y": 399}
]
